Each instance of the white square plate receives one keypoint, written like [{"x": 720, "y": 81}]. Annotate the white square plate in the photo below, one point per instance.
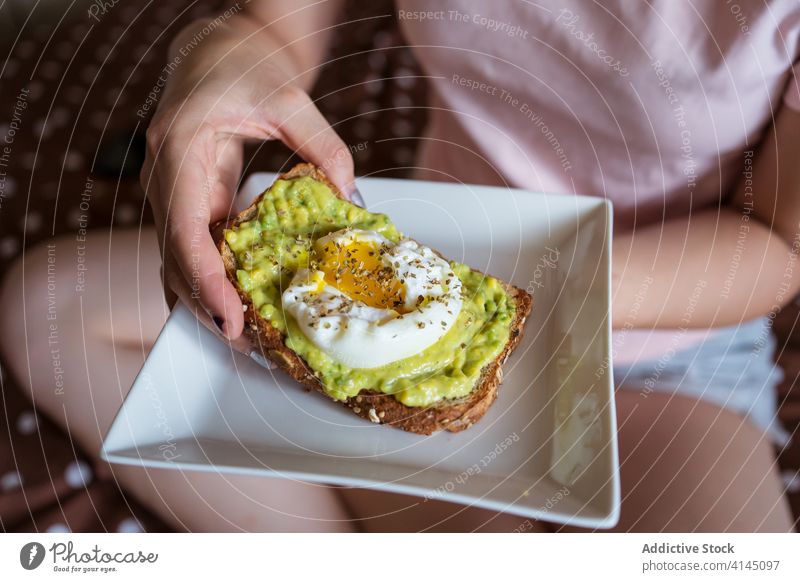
[{"x": 546, "y": 449}]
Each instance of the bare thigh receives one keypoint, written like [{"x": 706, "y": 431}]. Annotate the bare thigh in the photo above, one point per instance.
[
  {"x": 99, "y": 323},
  {"x": 688, "y": 465},
  {"x": 378, "y": 511}
]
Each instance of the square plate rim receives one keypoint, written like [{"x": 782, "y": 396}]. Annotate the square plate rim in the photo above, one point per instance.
[{"x": 608, "y": 520}]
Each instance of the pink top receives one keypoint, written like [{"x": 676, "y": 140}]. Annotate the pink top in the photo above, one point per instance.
[{"x": 650, "y": 104}]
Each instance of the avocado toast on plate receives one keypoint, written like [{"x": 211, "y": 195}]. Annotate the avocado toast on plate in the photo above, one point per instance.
[{"x": 346, "y": 305}]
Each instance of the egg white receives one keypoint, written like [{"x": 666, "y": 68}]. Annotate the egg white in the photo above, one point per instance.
[{"x": 361, "y": 336}]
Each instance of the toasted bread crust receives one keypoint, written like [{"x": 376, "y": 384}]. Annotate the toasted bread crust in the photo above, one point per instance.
[{"x": 372, "y": 405}]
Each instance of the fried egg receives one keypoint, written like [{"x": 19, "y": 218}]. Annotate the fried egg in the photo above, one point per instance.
[{"x": 366, "y": 301}]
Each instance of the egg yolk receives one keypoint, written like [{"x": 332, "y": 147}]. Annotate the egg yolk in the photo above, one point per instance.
[{"x": 357, "y": 271}]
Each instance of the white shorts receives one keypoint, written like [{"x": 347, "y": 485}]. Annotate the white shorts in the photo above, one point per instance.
[{"x": 732, "y": 367}]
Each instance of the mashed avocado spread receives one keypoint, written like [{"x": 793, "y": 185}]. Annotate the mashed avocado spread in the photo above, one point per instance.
[{"x": 292, "y": 214}]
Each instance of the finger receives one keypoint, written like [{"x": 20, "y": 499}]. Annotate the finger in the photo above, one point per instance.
[
  {"x": 229, "y": 164},
  {"x": 148, "y": 180},
  {"x": 170, "y": 297},
  {"x": 304, "y": 129},
  {"x": 178, "y": 286},
  {"x": 150, "y": 187},
  {"x": 187, "y": 179}
]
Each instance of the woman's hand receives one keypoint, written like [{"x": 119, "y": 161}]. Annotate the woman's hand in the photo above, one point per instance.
[{"x": 239, "y": 84}]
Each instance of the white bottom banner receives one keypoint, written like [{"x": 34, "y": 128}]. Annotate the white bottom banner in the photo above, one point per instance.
[{"x": 400, "y": 557}]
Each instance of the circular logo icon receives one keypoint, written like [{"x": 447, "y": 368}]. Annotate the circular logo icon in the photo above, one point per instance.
[{"x": 31, "y": 555}]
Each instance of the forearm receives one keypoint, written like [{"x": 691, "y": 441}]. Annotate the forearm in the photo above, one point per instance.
[
  {"x": 721, "y": 267},
  {"x": 710, "y": 269}
]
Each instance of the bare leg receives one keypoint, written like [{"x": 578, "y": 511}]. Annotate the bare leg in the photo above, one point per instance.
[
  {"x": 102, "y": 332},
  {"x": 378, "y": 511},
  {"x": 688, "y": 465}
]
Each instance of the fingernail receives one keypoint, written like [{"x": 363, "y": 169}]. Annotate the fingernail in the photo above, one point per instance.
[
  {"x": 357, "y": 199},
  {"x": 219, "y": 322},
  {"x": 259, "y": 358}
]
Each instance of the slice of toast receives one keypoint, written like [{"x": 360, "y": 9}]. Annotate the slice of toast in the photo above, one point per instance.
[{"x": 452, "y": 415}]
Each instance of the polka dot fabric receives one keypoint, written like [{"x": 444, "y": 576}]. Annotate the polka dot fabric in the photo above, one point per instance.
[
  {"x": 68, "y": 109},
  {"x": 82, "y": 86}
]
